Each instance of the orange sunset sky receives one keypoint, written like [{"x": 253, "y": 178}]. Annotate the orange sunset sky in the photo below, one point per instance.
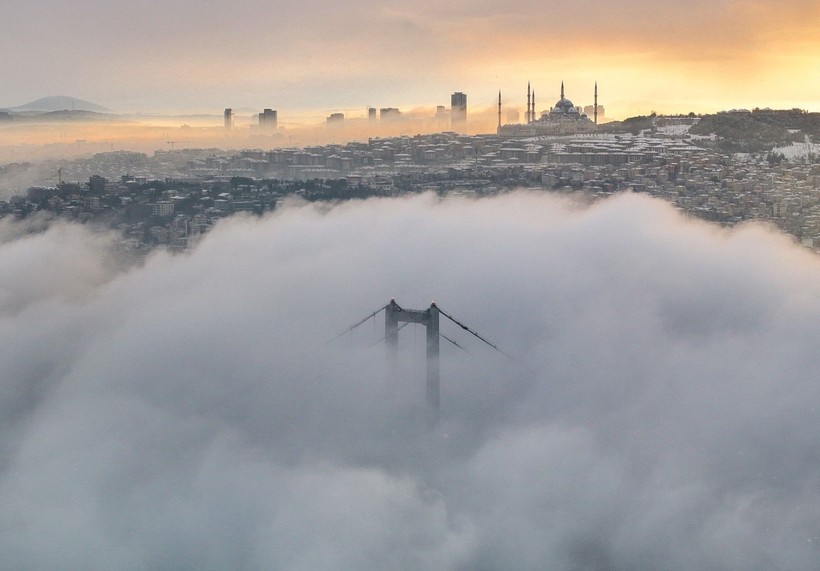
[{"x": 316, "y": 57}]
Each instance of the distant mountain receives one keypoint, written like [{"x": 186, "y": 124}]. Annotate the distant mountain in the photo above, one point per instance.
[{"x": 58, "y": 103}]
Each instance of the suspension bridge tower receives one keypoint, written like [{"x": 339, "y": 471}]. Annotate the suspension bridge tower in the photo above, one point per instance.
[
  {"x": 395, "y": 314},
  {"x": 395, "y": 318}
]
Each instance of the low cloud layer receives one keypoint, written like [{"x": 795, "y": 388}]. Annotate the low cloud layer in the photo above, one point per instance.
[{"x": 190, "y": 413}]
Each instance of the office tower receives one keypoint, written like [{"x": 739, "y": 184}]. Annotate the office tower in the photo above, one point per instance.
[
  {"x": 228, "y": 119},
  {"x": 458, "y": 110},
  {"x": 268, "y": 120}
]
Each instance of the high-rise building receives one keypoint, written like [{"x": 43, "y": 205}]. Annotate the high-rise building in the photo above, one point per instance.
[
  {"x": 371, "y": 113},
  {"x": 96, "y": 184},
  {"x": 268, "y": 120},
  {"x": 336, "y": 119},
  {"x": 458, "y": 109},
  {"x": 442, "y": 117},
  {"x": 389, "y": 114},
  {"x": 228, "y": 118}
]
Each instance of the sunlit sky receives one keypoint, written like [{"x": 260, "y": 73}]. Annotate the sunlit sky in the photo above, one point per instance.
[{"x": 185, "y": 55}]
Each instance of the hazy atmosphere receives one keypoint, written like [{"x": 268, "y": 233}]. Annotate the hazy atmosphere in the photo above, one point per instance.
[
  {"x": 315, "y": 57},
  {"x": 192, "y": 412},
  {"x": 615, "y": 208}
]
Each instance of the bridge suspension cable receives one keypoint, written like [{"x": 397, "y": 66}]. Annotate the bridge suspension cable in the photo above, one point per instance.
[
  {"x": 402, "y": 326},
  {"x": 358, "y": 323},
  {"x": 443, "y": 336},
  {"x": 473, "y": 333},
  {"x": 444, "y": 313}
]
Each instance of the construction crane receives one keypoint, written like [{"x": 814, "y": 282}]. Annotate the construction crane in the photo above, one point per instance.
[{"x": 58, "y": 175}]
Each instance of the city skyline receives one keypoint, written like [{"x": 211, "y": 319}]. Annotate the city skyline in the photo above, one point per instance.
[
  {"x": 669, "y": 59},
  {"x": 628, "y": 377}
]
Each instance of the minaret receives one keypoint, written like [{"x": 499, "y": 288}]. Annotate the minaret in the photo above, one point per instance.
[
  {"x": 533, "y": 105},
  {"x": 499, "y": 109},
  {"x": 595, "y": 112},
  {"x": 562, "y": 90},
  {"x": 528, "y": 102}
]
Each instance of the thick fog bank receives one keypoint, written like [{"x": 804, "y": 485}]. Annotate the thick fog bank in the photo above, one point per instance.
[{"x": 193, "y": 412}]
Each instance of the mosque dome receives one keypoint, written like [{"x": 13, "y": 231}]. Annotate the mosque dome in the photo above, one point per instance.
[
  {"x": 563, "y": 106},
  {"x": 563, "y": 118}
]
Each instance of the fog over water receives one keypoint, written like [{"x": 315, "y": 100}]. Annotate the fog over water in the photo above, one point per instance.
[{"x": 191, "y": 413}]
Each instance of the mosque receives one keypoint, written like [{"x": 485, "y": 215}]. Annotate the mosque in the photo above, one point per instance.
[{"x": 564, "y": 118}]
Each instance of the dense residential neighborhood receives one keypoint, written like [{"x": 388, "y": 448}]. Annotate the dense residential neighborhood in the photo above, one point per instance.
[{"x": 175, "y": 196}]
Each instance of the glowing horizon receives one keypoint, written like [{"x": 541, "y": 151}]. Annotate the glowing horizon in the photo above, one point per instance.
[{"x": 670, "y": 58}]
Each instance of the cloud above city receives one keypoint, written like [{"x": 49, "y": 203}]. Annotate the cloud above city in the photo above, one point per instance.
[
  {"x": 318, "y": 55},
  {"x": 193, "y": 412}
]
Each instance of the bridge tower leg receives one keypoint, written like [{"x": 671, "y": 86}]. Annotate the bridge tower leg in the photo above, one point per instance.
[
  {"x": 391, "y": 333},
  {"x": 433, "y": 379},
  {"x": 395, "y": 314}
]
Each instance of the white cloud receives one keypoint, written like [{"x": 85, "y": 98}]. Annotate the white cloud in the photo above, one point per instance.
[{"x": 189, "y": 413}]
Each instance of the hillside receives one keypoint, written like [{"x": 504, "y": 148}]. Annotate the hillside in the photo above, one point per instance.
[
  {"x": 758, "y": 130},
  {"x": 58, "y": 103},
  {"x": 632, "y": 125}
]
